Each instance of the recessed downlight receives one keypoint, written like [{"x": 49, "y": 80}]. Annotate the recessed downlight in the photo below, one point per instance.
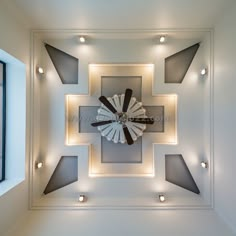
[
  {"x": 203, "y": 71},
  {"x": 162, "y": 198},
  {"x": 162, "y": 39},
  {"x": 82, "y": 198},
  {"x": 39, "y": 165},
  {"x": 82, "y": 39},
  {"x": 204, "y": 164},
  {"x": 40, "y": 70}
]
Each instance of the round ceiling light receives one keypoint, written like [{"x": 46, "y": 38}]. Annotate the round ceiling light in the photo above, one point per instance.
[
  {"x": 162, "y": 39},
  {"x": 162, "y": 198},
  {"x": 204, "y": 164},
  {"x": 82, "y": 39},
  {"x": 39, "y": 165},
  {"x": 203, "y": 71},
  {"x": 40, "y": 70},
  {"x": 82, "y": 198}
]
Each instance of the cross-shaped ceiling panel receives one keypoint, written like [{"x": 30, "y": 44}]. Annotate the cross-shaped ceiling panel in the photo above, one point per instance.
[{"x": 144, "y": 73}]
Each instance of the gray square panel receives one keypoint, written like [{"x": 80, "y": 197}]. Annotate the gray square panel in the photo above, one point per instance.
[
  {"x": 157, "y": 112},
  {"x": 121, "y": 153},
  {"x": 87, "y": 115},
  {"x": 118, "y": 85}
]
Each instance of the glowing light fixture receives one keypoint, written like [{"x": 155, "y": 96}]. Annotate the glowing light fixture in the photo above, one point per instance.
[
  {"x": 162, "y": 198},
  {"x": 39, "y": 165},
  {"x": 204, "y": 71},
  {"x": 204, "y": 164},
  {"x": 82, "y": 198},
  {"x": 40, "y": 70},
  {"x": 162, "y": 39},
  {"x": 82, "y": 39}
]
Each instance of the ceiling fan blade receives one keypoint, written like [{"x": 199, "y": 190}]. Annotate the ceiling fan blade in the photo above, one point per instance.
[
  {"x": 148, "y": 121},
  {"x": 107, "y": 104},
  {"x": 105, "y": 122},
  {"x": 128, "y": 95},
  {"x": 127, "y": 134}
]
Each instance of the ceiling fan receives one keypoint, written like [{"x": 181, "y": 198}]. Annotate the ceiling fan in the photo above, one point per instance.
[{"x": 121, "y": 118}]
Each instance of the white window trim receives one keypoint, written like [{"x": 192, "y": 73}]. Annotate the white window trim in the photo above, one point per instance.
[{"x": 15, "y": 122}]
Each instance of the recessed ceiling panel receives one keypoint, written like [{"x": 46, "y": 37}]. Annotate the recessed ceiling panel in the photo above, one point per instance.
[
  {"x": 87, "y": 115},
  {"x": 101, "y": 164},
  {"x": 177, "y": 65},
  {"x": 156, "y": 112},
  {"x": 178, "y": 173},
  {"x": 65, "y": 173},
  {"x": 111, "y": 85},
  {"x": 66, "y": 65},
  {"x": 121, "y": 153}
]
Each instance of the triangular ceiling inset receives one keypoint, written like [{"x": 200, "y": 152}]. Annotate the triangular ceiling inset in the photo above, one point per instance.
[
  {"x": 66, "y": 65},
  {"x": 65, "y": 173},
  {"x": 178, "y": 173},
  {"x": 177, "y": 65}
]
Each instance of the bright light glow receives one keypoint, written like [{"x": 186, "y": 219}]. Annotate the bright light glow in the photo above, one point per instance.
[
  {"x": 162, "y": 39},
  {"x": 39, "y": 165},
  {"x": 203, "y": 71},
  {"x": 194, "y": 76},
  {"x": 161, "y": 49},
  {"x": 162, "y": 198},
  {"x": 40, "y": 70},
  {"x": 193, "y": 158},
  {"x": 50, "y": 75},
  {"x": 72, "y": 141},
  {"x": 82, "y": 39},
  {"x": 81, "y": 198},
  {"x": 204, "y": 164}
]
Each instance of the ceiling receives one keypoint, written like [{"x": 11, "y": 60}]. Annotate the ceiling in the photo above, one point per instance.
[
  {"x": 122, "y": 14},
  {"x": 99, "y": 169}
]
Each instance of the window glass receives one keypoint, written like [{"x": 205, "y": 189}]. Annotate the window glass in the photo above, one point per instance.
[{"x": 2, "y": 119}]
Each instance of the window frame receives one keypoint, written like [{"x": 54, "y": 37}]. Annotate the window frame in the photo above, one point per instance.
[{"x": 3, "y": 177}]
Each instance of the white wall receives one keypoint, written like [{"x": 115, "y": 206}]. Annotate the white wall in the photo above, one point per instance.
[
  {"x": 14, "y": 40},
  {"x": 117, "y": 223},
  {"x": 122, "y": 14},
  {"x": 225, "y": 117}
]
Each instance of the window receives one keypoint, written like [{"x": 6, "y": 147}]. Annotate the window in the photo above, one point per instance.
[
  {"x": 2, "y": 118},
  {"x": 12, "y": 122}
]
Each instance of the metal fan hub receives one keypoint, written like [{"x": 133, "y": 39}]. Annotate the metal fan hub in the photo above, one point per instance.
[{"x": 122, "y": 118}]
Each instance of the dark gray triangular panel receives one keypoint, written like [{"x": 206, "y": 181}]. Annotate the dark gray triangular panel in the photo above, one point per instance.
[
  {"x": 178, "y": 173},
  {"x": 177, "y": 65},
  {"x": 66, "y": 65},
  {"x": 65, "y": 173}
]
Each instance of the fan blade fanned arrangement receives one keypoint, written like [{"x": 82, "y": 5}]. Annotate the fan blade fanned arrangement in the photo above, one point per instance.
[
  {"x": 119, "y": 116},
  {"x": 106, "y": 103},
  {"x": 128, "y": 95},
  {"x": 127, "y": 134},
  {"x": 148, "y": 121},
  {"x": 105, "y": 122}
]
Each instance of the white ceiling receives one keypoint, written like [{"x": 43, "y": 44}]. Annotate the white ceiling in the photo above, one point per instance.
[
  {"x": 119, "y": 14},
  {"x": 193, "y": 96}
]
